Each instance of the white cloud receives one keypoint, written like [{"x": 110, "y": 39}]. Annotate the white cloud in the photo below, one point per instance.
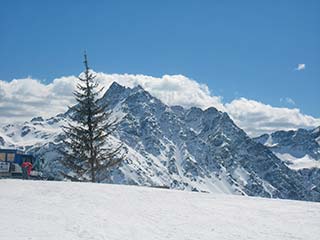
[
  {"x": 23, "y": 99},
  {"x": 171, "y": 89},
  {"x": 300, "y": 67},
  {"x": 288, "y": 100},
  {"x": 257, "y": 118}
]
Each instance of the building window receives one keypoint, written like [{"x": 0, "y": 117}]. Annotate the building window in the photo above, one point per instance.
[
  {"x": 10, "y": 157},
  {"x": 2, "y": 156}
]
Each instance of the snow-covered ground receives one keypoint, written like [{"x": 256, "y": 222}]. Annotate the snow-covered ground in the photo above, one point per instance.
[{"x": 64, "y": 210}]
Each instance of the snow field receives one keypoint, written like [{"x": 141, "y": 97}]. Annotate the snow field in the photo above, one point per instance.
[{"x": 37, "y": 210}]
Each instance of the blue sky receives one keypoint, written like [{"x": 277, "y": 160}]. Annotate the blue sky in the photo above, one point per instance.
[{"x": 238, "y": 48}]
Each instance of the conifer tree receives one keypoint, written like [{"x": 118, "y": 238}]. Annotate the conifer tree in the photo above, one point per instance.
[{"x": 86, "y": 151}]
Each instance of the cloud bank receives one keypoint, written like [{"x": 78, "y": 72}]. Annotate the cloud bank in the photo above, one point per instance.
[
  {"x": 257, "y": 118},
  {"x": 23, "y": 99}
]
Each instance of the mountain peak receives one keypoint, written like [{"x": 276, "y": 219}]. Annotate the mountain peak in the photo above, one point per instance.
[
  {"x": 116, "y": 87},
  {"x": 316, "y": 130},
  {"x": 115, "y": 93},
  {"x": 37, "y": 119},
  {"x": 138, "y": 88}
]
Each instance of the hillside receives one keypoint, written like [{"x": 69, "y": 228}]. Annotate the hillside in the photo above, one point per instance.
[{"x": 37, "y": 210}]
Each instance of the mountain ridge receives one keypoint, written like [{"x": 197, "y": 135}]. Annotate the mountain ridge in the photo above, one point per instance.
[{"x": 188, "y": 149}]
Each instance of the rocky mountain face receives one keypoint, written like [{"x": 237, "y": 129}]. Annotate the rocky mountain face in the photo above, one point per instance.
[
  {"x": 292, "y": 146},
  {"x": 187, "y": 149},
  {"x": 299, "y": 150}
]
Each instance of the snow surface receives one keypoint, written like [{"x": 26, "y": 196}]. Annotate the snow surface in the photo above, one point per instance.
[
  {"x": 298, "y": 163},
  {"x": 63, "y": 210}
]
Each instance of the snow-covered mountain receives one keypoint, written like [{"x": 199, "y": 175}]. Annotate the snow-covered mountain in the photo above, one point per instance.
[
  {"x": 188, "y": 149},
  {"x": 299, "y": 149}
]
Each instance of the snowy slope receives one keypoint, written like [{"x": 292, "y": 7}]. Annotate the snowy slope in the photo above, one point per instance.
[
  {"x": 38, "y": 210},
  {"x": 297, "y": 163}
]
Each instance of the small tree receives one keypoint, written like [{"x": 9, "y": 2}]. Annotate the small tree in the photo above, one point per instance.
[{"x": 85, "y": 152}]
